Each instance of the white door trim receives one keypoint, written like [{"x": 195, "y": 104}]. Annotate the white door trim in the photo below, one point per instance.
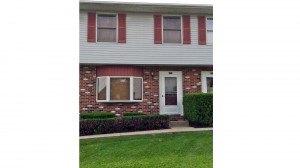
[
  {"x": 204, "y": 75},
  {"x": 162, "y": 106}
]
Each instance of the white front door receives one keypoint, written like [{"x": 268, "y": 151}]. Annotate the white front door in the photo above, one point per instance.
[{"x": 170, "y": 89}]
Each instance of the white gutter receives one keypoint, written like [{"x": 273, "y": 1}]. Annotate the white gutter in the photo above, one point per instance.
[{"x": 182, "y": 3}]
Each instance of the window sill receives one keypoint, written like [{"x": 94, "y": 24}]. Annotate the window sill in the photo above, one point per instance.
[
  {"x": 173, "y": 44},
  {"x": 103, "y": 43}
]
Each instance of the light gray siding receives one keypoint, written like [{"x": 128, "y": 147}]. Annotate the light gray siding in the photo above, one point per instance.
[{"x": 140, "y": 47}]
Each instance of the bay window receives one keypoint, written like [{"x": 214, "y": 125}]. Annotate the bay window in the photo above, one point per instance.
[{"x": 119, "y": 89}]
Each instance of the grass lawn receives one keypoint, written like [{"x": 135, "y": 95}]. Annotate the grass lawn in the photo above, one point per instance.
[{"x": 187, "y": 149}]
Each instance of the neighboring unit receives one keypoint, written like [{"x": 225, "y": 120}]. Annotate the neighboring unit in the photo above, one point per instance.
[{"x": 138, "y": 57}]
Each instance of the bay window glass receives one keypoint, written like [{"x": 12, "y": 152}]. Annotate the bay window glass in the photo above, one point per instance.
[
  {"x": 101, "y": 84},
  {"x": 118, "y": 89}
]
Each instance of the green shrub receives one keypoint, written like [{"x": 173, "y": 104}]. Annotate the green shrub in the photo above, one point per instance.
[
  {"x": 125, "y": 124},
  {"x": 132, "y": 114},
  {"x": 198, "y": 109},
  {"x": 96, "y": 115}
]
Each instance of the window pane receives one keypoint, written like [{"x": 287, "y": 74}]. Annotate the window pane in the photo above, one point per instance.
[
  {"x": 101, "y": 88},
  {"x": 170, "y": 91},
  {"x": 119, "y": 88},
  {"x": 209, "y": 37},
  {"x": 172, "y": 36},
  {"x": 209, "y": 24},
  {"x": 209, "y": 83},
  {"x": 106, "y": 35},
  {"x": 106, "y": 21},
  {"x": 172, "y": 23},
  {"x": 137, "y": 88}
]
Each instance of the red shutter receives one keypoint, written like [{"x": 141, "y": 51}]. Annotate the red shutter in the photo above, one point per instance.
[
  {"x": 91, "y": 37},
  {"x": 201, "y": 30},
  {"x": 157, "y": 29},
  {"x": 186, "y": 29},
  {"x": 121, "y": 28}
]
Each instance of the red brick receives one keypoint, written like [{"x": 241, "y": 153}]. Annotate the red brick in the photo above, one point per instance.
[{"x": 151, "y": 85}]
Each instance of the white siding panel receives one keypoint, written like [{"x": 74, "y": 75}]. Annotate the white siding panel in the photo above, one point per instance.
[{"x": 140, "y": 47}]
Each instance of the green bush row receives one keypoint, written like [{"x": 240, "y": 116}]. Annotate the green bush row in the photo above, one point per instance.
[
  {"x": 198, "y": 109},
  {"x": 132, "y": 114},
  {"x": 96, "y": 115},
  {"x": 125, "y": 124},
  {"x": 102, "y": 115}
]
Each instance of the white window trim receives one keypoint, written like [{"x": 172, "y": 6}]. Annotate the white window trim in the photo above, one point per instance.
[
  {"x": 204, "y": 75},
  {"x": 108, "y": 89},
  {"x": 208, "y": 17},
  {"x": 181, "y": 31},
  {"x": 117, "y": 28}
]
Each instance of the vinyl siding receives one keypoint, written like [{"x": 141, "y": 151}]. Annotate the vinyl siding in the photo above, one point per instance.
[{"x": 140, "y": 48}]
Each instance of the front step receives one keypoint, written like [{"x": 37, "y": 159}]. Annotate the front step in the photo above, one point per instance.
[
  {"x": 176, "y": 118},
  {"x": 179, "y": 124}
]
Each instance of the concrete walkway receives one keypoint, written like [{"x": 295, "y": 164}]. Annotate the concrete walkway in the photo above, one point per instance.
[{"x": 174, "y": 129}]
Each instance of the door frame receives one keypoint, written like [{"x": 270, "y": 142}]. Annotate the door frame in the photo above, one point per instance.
[
  {"x": 204, "y": 75},
  {"x": 177, "y": 74}
]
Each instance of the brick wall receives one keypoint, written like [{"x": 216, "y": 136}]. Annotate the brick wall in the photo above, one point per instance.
[{"x": 150, "y": 105}]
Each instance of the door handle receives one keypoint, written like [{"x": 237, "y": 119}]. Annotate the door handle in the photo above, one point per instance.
[{"x": 162, "y": 95}]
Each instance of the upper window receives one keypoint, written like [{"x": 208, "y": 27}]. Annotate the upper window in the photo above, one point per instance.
[
  {"x": 209, "y": 29},
  {"x": 119, "y": 89},
  {"x": 106, "y": 28},
  {"x": 172, "y": 29}
]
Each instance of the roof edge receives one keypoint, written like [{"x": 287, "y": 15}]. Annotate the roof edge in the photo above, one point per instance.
[{"x": 147, "y": 3}]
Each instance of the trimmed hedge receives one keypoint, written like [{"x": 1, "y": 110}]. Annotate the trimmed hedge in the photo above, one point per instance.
[
  {"x": 198, "y": 109},
  {"x": 125, "y": 124},
  {"x": 132, "y": 114},
  {"x": 96, "y": 115}
]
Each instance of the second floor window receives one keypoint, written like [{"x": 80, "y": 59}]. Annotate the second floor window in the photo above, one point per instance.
[
  {"x": 106, "y": 28},
  {"x": 172, "y": 29},
  {"x": 209, "y": 28}
]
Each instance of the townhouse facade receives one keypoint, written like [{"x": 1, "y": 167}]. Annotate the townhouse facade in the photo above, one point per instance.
[{"x": 137, "y": 57}]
